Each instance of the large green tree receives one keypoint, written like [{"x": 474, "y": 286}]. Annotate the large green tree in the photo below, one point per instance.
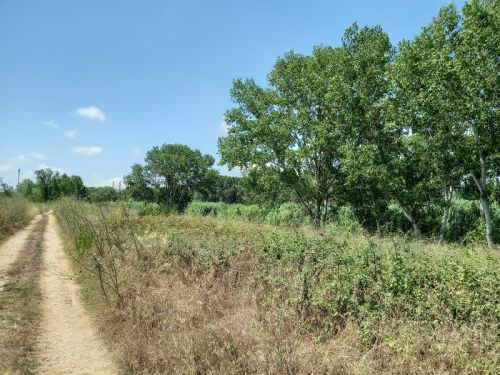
[
  {"x": 427, "y": 97},
  {"x": 138, "y": 184},
  {"x": 72, "y": 186},
  {"x": 359, "y": 99},
  {"x": 47, "y": 181},
  {"x": 313, "y": 104},
  {"x": 173, "y": 172},
  {"x": 479, "y": 67}
]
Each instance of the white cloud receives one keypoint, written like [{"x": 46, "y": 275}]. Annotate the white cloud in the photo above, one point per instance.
[
  {"x": 37, "y": 155},
  {"x": 17, "y": 161},
  {"x": 136, "y": 150},
  {"x": 4, "y": 167},
  {"x": 71, "y": 133},
  {"x": 51, "y": 124},
  {"x": 223, "y": 127},
  {"x": 92, "y": 113},
  {"x": 87, "y": 150}
]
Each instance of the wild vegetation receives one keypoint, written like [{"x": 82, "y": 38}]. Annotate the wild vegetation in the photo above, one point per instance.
[
  {"x": 362, "y": 236},
  {"x": 199, "y": 295},
  {"x": 15, "y": 213}
]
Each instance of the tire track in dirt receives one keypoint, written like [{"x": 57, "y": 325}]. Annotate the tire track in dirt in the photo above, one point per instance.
[
  {"x": 68, "y": 342},
  {"x": 12, "y": 247}
]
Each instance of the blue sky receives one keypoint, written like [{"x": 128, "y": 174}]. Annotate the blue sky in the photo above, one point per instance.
[{"x": 87, "y": 87}]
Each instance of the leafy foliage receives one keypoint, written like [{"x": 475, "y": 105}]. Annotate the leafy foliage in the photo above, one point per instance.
[{"x": 419, "y": 304}]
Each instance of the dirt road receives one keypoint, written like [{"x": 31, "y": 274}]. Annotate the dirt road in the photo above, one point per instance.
[{"x": 68, "y": 342}]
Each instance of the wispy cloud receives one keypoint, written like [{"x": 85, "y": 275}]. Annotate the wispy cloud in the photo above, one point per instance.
[
  {"x": 17, "y": 161},
  {"x": 71, "y": 133},
  {"x": 87, "y": 150},
  {"x": 37, "y": 156},
  {"x": 51, "y": 124},
  {"x": 92, "y": 113},
  {"x": 136, "y": 150}
]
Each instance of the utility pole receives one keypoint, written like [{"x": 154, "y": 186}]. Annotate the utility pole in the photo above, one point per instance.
[{"x": 18, "y": 176}]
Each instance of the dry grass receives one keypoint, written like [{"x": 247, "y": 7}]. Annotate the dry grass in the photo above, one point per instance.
[
  {"x": 217, "y": 325},
  {"x": 203, "y": 299},
  {"x": 15, "y": 213},
  {"x": 20, "y": 307}
]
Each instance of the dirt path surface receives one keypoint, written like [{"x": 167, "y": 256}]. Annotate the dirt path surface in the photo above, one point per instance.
[
  {"x": 68, "y": 342},
  {"x": 11, "y": 248}
]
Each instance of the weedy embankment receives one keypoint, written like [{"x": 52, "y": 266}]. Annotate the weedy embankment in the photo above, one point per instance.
[
  {"x": 15, "y": 213},
  {"x": 190, "y": 295},
  {"x": 20, "y": 313}
]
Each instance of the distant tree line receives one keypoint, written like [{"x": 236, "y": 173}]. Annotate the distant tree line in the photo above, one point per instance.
[
  {"x": 49, "y": 185},
  {"x": 370, "y": 125},
  {"x": 179, "y": 175}
]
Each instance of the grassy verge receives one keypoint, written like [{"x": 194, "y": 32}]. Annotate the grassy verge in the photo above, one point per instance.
[
  {"x": 15, "y": 213},
  {"x": 195, "y": 295},
  {"x": 20, "y": 312}
]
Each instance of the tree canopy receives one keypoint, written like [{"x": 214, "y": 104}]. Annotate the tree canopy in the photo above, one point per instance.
[
  {"x": 171, "y": 175},
  {"x": 368, "y": 124}
]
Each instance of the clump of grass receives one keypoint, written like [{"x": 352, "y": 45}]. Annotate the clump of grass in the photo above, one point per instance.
[
  {"x": 20, "y": 314},
  {"x": 15, "y": 213},
  {"x": 203, "y": 295}
]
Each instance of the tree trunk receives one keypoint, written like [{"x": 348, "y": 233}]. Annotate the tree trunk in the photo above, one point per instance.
[
  {"x": 410, "y": 218},
  {"x": 448, "y": 195},
  {"x": 444, "y": 222},
  {"x": 325, "y": 214},
  {"x": 317, "y": 214},
  {"x": 483, "y": 196},
  {"x": 487, "y": 220}
]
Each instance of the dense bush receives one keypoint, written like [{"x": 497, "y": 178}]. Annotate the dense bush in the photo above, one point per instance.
[
  {"x": 477, "y": 232},
  {"x": 287, "y": 214},
  {"x": 149, "y": 208},
  {"x": 464, "y": 217},
  {"x": 465, "y": 223},
  {"x": 336, "y": 280},
  {"x": 226, "y": 211},
  {"x": 345, "y": 217}
]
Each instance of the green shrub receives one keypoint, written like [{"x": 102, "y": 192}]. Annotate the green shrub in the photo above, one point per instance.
[
  {"x": 286, "y": 214},
  {"x": 346, "y": 218},
  {"x": 226, "y": 210},
  {"x": 464, "y": 217},
  {"x": 395, "y": 220},
  {"x": 333, "y": 281},
  {"x": 478, "y": 232},
  {"x": 150, "y": 208}
]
